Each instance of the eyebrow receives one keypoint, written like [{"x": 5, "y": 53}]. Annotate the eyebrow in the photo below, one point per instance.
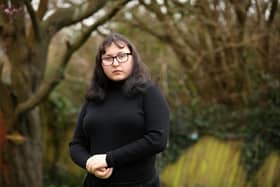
[
  {"x": 107, "y": 55},
  {"x": 110, "y": 55}
]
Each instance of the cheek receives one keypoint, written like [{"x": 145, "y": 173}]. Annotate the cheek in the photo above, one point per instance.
[
  {"x": 106, "y": 71},
  {"x": 130, "y": 68}
]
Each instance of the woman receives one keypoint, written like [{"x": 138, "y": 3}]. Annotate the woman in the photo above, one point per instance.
[{"x": 123, "y": 123}]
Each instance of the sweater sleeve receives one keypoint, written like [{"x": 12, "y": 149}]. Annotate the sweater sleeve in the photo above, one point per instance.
[
  {"x": 79, "y": 145},
  {"x": 156, "y": 116}
]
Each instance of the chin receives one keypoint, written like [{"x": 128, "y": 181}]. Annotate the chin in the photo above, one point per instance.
[{"x": 118, "y": 79}]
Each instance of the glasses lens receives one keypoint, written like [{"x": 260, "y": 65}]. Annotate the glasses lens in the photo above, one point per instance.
[
  {"x": 107, "y": 61},
  {"x": 122, "y": 57}
]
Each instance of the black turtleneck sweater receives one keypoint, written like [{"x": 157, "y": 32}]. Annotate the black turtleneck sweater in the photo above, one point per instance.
[{"x": 130, "y": 130}]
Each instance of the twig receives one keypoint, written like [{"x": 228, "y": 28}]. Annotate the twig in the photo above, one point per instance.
[{"x": 34, "y": 19}]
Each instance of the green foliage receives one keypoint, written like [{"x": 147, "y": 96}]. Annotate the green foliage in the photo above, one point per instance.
[
  {"x": 62, "y": 109},
  {"x": 262, "y": 134},
  {"x": 62, "y": 178},
  {"x": 60, "y": 117},
  {"x": 257, "y": 124}
]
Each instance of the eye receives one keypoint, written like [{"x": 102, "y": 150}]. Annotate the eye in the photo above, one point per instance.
[
  {"x": 108, "y": 58},
  {"x": 121, "y": 56}
]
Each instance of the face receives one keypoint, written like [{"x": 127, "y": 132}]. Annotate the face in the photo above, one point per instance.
[{"x": 117, "y": 71}]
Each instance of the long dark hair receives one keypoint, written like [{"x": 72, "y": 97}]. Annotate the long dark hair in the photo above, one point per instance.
[{"x": 134, "y": 84}]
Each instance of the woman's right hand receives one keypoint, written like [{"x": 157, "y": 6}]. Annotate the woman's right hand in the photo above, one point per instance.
[
  {"x": 103, "y": 173},
  {"x": 100, "y": 172}
]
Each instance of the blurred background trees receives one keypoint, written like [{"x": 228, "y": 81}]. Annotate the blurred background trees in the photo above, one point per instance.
[{"x": 216, "y": 61}]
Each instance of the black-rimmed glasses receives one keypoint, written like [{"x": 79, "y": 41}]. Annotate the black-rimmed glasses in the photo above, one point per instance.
[{"x": 120, "y": 57}]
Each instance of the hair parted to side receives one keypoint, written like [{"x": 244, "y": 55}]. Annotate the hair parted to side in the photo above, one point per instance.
[{"x": 134, "y": 84}]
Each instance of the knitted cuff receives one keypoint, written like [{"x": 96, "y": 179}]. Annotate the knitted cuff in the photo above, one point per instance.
[{"x": 109, "y": 160}]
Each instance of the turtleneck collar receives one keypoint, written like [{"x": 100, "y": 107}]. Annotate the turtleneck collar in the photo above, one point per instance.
[{"x": 116, "y": 84}]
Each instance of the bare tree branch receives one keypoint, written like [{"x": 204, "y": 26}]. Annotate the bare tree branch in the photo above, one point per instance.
[
  {"x": 245, "y": 43},
  {"x": 273, "y": 9},
  {"x": 63, "y": 17},
  {"x": 101, "y": 33},
  {"x": 166, "y": 23},
  {"x": 43, "y": 91},
  {"x": 258, "y": 11},
  {"x": 43, "y": 6},
  {"x": 34, "y": 19},
  {"x": 84, "y": 36},
  {"x": 47, "y": 86},
  {"x": 173, "y": 36},
  {"x": 241, "y": 10},
  {"x": 264, "y": 6},
  {"x": 143, "y": 26},
  {"x": 153, "y": 7}
]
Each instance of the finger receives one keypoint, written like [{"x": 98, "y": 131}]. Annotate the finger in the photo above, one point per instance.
[
  {"x": 96, "y": 167},
  {"x": 88, "y": 167},
  {"x": 106, "y": 174},
  {"x": 92, "y": 168},
  {"x": 100, "y": 175},
  {"x": 102, "y": 170},
  {"x": 109, "y": 173}
]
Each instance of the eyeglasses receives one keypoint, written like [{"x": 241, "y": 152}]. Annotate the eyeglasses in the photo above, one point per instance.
[{"x": 120, "y": 57}]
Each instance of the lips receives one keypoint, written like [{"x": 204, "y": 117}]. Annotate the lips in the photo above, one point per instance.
[{"x": 117, "y": 71}]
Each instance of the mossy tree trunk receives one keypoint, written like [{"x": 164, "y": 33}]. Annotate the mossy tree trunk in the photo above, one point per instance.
[{"x": 24, "y": 48}]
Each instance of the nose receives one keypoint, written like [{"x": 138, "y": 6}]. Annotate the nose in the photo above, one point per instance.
[{"x": 115, "y": 62}]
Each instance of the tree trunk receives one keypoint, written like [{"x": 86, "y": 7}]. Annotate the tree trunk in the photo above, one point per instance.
[
  {"x": 22, "y": 152},
  {"x": 24, "y": 157}
]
